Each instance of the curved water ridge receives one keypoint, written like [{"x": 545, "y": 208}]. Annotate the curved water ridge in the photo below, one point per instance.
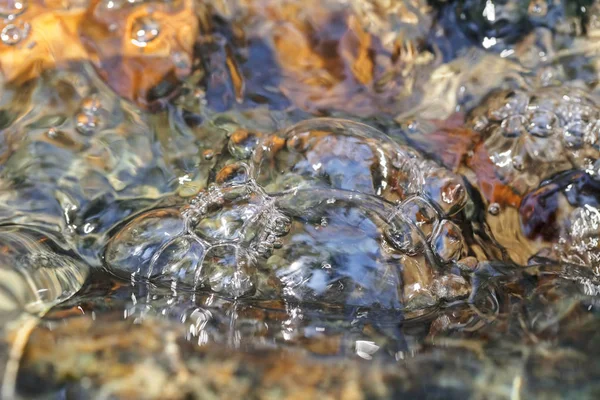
[
  {"x": 36, "y": 271},
  {"x": 326, "y": 211}
]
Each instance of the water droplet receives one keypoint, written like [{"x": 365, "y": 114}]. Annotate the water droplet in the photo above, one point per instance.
[
  {"x": 52, "y": 133},
  {"x": 538, "y": 8},
  {"x": 225, "y": 271},
  {"x": 112, "y": 4},
  {"x": 242, "y": 143},
  {"x": 494, "y": 209},
  {"x": 144, "y": 30},
  {"x": 90, "y": 105},
  {"x": 233, "y": 173},
  {"x": 12, "y": 8},
  {"x": 518, "y": 163},
  {"x": 86, "y": 124},
  {"x": 12, "y": 34},
  {"x": 208, "y": 154},
  {"x": 413, "y": 126}
]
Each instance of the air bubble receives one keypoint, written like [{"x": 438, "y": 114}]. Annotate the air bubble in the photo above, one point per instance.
[
  {"x": 224, "y": 271},
  {"x": 13, "y": 34},
  {"x": 518, "y": 163},
  {"x": 12, "y": 8},
  {"x": 208, "y": 154},
  {"x": 90, "y": 105},
  {"x": 86, "y": 124},
  {"x": 514, "y": 103},
  {"x": 144, "y": 30},
  {"x": 404, "y": 236},
  {"x": 494, "y": 209},
  {"x": 112, "y": 5},
  {"x": 538, "y": 8},
  {"x": 242, "y": 143},
  {"x": 448, "y": 242}
]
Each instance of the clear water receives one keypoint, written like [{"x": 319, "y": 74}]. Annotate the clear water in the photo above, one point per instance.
[{"x": 401, "y": 197}]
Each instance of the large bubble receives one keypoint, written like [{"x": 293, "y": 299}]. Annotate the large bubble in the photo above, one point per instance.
[{"x": 328, "y": 211}]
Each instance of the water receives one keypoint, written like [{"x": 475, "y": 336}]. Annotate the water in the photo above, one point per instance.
[{"x": 351, "y": 199}]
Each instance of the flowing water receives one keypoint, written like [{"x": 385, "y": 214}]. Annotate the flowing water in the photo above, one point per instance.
[{"x": 285, "y": 199}]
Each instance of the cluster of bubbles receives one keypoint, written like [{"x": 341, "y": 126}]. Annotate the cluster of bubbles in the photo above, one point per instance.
[
  {"x": 14, "y": 30},
  {"x": 564, "y": 212},
  {"x": 328, "y": 210},
  {"x": 531, "y": 135}
]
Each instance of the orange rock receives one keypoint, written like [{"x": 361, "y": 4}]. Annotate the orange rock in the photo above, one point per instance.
[
  {"x": 141, "y": 51},
  {"x": 39, "y": 35}
]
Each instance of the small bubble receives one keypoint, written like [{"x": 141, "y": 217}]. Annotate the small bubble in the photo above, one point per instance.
[
  {"x": 86, "y": 124},
  {"x": 52, "y": 133},
  {"x": 183, "y": 64},
  {"x": 12, "y": 34},
  {"x": 413, "y": 126},
  {"x": 242, "y": 144},
  {"x": 112, "y": 4},
  {"x": 12, "y": 8},
  {"x": 494, "y": 209},
  {"x": 513, "y": 126},
  {"x": 144, "y": 30},
  {"x": 538, "y": 8},
  {"x": 326, "y": 266},
  {"x": 518, "y": 163},
  {"x": 90, "y": 105},
  {"x": 281, "y": 226},
  {"x": 324, "y": 222},
  {"x": 513, "y": 104},
  {"x": 208, "y": 154},
  {"x": 480, "y": 123}
]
